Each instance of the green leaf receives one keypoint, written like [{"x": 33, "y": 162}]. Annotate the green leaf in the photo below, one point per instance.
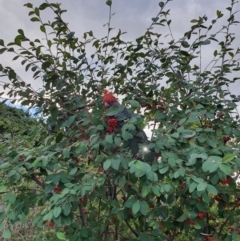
[
  {"x": 57, "y": 211},
  {"x": 213, "y": 167},
  {"x": 134, "y": 103},
  {"x": 35, "y": 162},
  {"x": 42, "y": 28},
  {"x": 66, "y": 208},
  {"x": 144, "y": 208},
  {"x": 7, "y": 234},
  {"x": 155, "y": 19},
  {"x": 156, "y": 190},
  {"x": 4, "y": 165},
  {"x": 69, "y": 121},
  {"x": 206, "y": 42},
  {"x": 112, "y": 111},
  {"x": 66, "y": 152},
  {"x": 59, "y": 137},
  {"x": 12, "y": 215},
  {"x": 211, "y": 189},
  {"x": 192, "y": 214},
  {"x": 136, "y": 207},
  {"x": 164, "y": 170},
  {"x": 2, "y": 50},
  {"x": 202, "y": 186},
  {"x": 109, "y": 2},
  {"x": 152, "y": 176},
  {"x": 43, "y": 6},
  {"x": 115, "y": 164},
  {"x": 109, "y": 139},
  {"x": 161, "y": 4},
  {"x": 10, "y": 197},
  {"x": 192, "y": 187},
  {"x": 129, "y": 203},
  {"x": 1, "y": 227},
  {"x": 107, "y": 164},
  {"x": 1, "y": 42},
  {"x": 182, "y": 121},
  {"x": 145, "y": 190},
  {"x": 122, "y": 181},
  {"x": 21, "y": 32},
  {"x": 35, "y": 19},
  {"x": 60, "y": 236},
  {"x": 3, "y": 188},
  {"x": 226, "y": 168},
  {"x": 117, "y": 140},
  {"x": 48, "y": 216},
  {"x": 183, "y": 217},
  {"x": 73, "y": 171},
  {"x": 28, "y": 5},
  {"x": 188, "y": 133},
  {"x": 11, "y": 173},
  {"x": 81, "y": 149},
  {"x": 228, "y": 157},
  {"x": 126, "y": 135}
]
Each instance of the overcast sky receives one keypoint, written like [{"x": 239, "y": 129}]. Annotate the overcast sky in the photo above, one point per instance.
[{"x": 132, "y": 16}]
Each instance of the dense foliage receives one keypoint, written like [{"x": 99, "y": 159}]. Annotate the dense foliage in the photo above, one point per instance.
[{"x": 95, "y": 185}]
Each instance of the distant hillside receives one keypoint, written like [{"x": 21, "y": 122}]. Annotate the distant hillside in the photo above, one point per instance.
[{"x": 13, "y": 119}]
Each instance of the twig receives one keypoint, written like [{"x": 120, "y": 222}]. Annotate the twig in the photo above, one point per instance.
[
  {"x": 81, "y": 215},
  {"x": 133, "y": 231}
]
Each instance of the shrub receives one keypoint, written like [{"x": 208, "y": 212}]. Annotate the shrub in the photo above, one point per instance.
[{"x": 94, "y": 185}]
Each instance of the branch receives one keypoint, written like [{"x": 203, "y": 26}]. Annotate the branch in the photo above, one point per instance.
[
  {"x": 224, "y": 223},
  {"x": 133, "y": 231},
  {"x": 32, "y": 177},
  {"x": 81, "y": 215}
]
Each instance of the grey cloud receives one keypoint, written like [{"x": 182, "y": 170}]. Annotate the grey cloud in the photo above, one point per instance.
[{"x": 132, "y": 16}]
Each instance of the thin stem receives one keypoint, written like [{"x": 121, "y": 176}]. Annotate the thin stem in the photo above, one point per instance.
[
  {"x": 132, "y": 230},
  {"x": 82, "y": 215}
]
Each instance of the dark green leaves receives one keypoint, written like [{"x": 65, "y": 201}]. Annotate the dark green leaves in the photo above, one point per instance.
[
  {"x": 43, "y": 6},
  {"x": 155, "y": 19},
  {"x": 107, "y": 164},
  {"x": 183, "y": 217},
  {"x": 28, "y": 5},
  {"x": 1, "y": 42},
  {"x": 35, "y": 19},
  {"x": 139, "y": 168},
  {"x": 109, "y": 139},
  {"x": 112, "y": 111},
  {"x": 136, "y": 207},
  {"x": 66, "y": 208},
  {"x": 2, "y": 50},
  {"x": 57, "y": 211},
  {"x": 109, "y": 2},
  {"x": 69, "y": 121},
  {"x": 60, "y": 236},
  {"x": 6, "y": 234}
]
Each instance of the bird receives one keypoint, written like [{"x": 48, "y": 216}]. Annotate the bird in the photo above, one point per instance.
[{"x": 118, "y": 117}]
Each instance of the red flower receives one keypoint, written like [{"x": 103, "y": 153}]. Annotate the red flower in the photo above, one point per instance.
[
  {"x": 57, "y": 189},
  {"x": 50, "y": 224},
  {"x": 208, "y": 239},
  {"x": 109, "y": 130},
  {"x": 201, "y": 215},
  {"x": 226, "y": 181}
]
